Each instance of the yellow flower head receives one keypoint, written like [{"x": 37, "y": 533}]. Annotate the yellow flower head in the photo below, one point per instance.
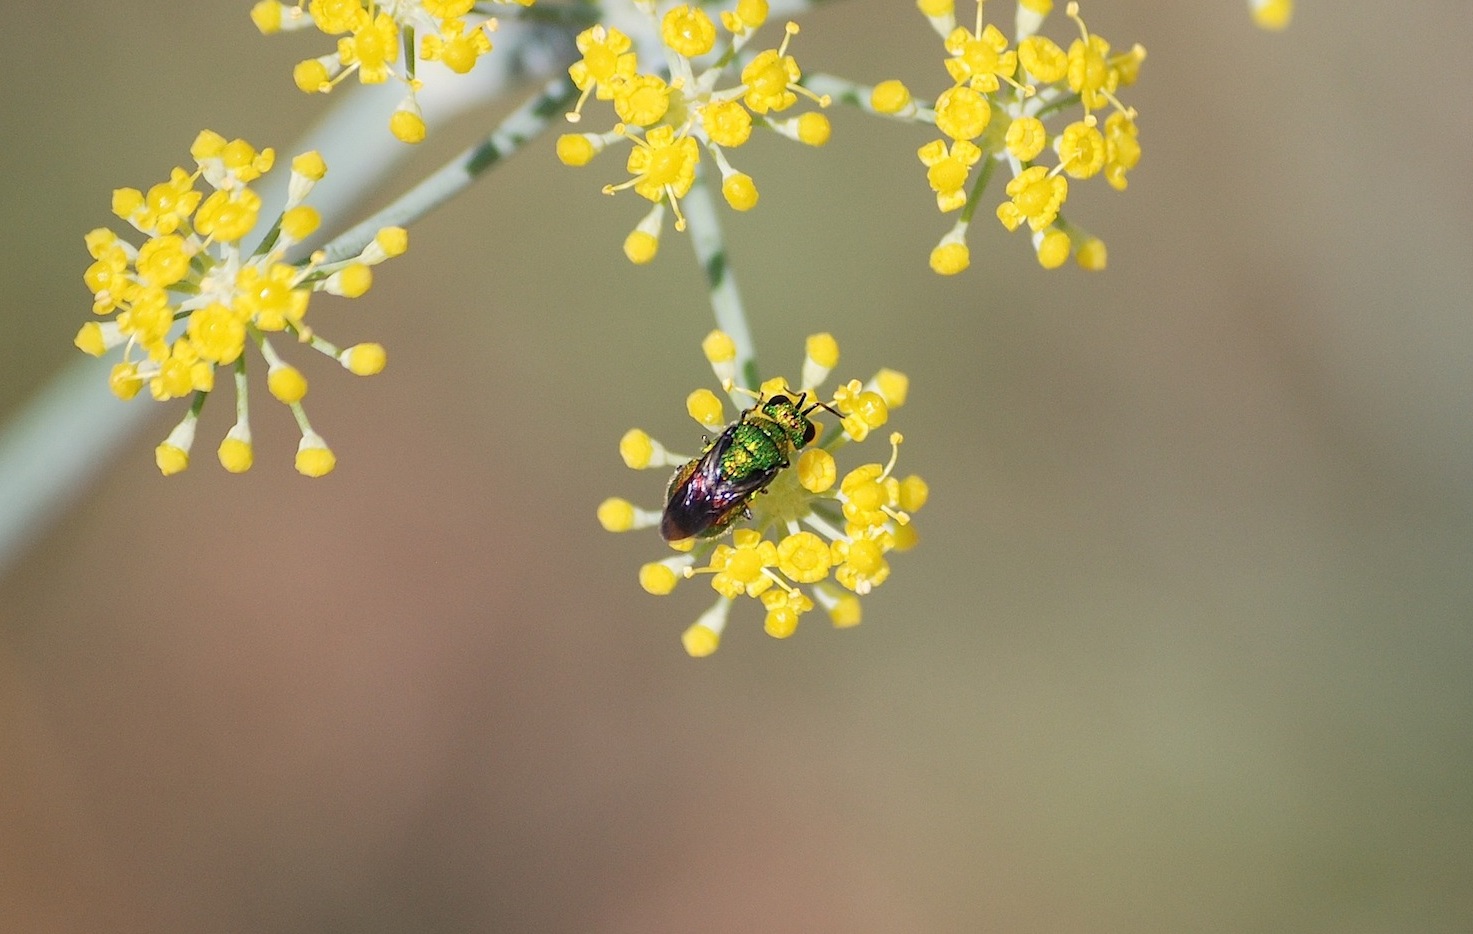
[
  {"x": 191, "y": 279},
  {"x": 686, "y": 103},
  {"x": 797, "y": 542}
]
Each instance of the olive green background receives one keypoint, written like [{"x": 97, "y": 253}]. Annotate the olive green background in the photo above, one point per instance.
[{"x": 1186, "y": 645}]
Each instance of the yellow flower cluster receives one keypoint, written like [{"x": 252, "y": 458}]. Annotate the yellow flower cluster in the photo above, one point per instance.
[
  {"x": 810, "y": 539},
  {"x": 370, "y": 39},
  {"x": 1003, "y": 97},
  {"x": 670, "y": 112},
  {"x": 188, "y": 299}
]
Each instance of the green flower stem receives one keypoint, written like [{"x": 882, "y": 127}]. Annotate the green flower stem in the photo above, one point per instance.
[
  {"x": 455, "y": 176},
  {"x": 974, "y": 197},
  {"x": 726, "y": 301}
]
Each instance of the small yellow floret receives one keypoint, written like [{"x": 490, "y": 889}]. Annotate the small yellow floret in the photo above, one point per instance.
[
  {"x": 846, "y": 612},
  {"x": 893, "y": 386},
  {"x": 814, "y": 129},
  {"x": 124, "y": 381},
  {"x": 913, "y": 493},
  {"x": 392, "y": 240},
  {"x": 351, "y": 281},
  {"x": 1026, "y": 137},
  {"x": 267, "y": 16},
  {"x": 310, "y": 164},
  {"x": 1042, "y": 58},
  {"x": 286, "y": 383},
  {"x": 1053, "y": 248},
  {"x": 641, "y": 246},
  {"x": 700, "y": 640},
  {"x": 90, "y": 340},
  {"x": 314, "y": 457},
  {"x": 817, "y": 470},
  {"x": 1091, "y": 254},
  {"x": 407, "y": 126},
  {"x": 719, "y": 347},
  {"x": 936, "y": 7},
  {"x": 576, "y": 149},
  {"x": 637, "y": 449},
  {"x": 236, "y": 454},
  {"x": 171, "y": 459},
  {"x": 948, "y": 259},
  {"x": 364, "y": 359},
  {"x": 890, "y": 97},
  {"x": 822, "y": 349},
  {"x": 616, "y": 515},
  {"x": 704, "y": 406},
  {"x": 300, "y": 222},
  {"x": 688, "y": 31},
  {"x": 780, "y": 622},
  {"x": 804, "y": 558},
  {"x": 311, "y": 76},
  {"x": 657, "y": 578},
  {"x": 740, "y": 191},
  {"x": 750, "y": 14}
]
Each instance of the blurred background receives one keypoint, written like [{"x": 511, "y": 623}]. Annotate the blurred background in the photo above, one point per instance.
[{"x": 1186, "y": 644}]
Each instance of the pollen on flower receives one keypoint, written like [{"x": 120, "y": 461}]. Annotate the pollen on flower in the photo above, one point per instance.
[{"x": 759, "y": 512}]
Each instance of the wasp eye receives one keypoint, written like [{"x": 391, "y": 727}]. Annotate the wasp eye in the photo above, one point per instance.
[
  {"x": 808, "y": 433},
  {"x": 779, "y": 400}
]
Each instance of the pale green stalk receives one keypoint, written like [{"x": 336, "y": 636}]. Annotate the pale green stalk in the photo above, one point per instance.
[{"x": 706, "y": 239}]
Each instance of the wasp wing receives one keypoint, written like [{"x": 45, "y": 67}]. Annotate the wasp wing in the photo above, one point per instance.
[{"x": 702, "y": 500}]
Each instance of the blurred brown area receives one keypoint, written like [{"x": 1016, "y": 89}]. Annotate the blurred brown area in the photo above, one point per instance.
[{"x": 1186, "y": 645}]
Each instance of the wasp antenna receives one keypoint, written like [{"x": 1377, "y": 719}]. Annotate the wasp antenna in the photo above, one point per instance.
[{"x": 820, "y": 404}]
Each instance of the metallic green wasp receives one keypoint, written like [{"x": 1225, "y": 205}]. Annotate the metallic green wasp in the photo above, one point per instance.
[{"x": 711, "y": 492}]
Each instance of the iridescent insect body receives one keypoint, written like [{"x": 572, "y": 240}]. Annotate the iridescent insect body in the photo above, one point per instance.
[{"x": 712, "y": 491}]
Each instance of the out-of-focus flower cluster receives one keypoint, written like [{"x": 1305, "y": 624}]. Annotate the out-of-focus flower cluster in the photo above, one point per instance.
[
  {"x": 190, "y": 297},
  {"x": 372, "y": 37},
  {"x": 807, "y": 537},
  {"x": 670, "y": 102}
]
